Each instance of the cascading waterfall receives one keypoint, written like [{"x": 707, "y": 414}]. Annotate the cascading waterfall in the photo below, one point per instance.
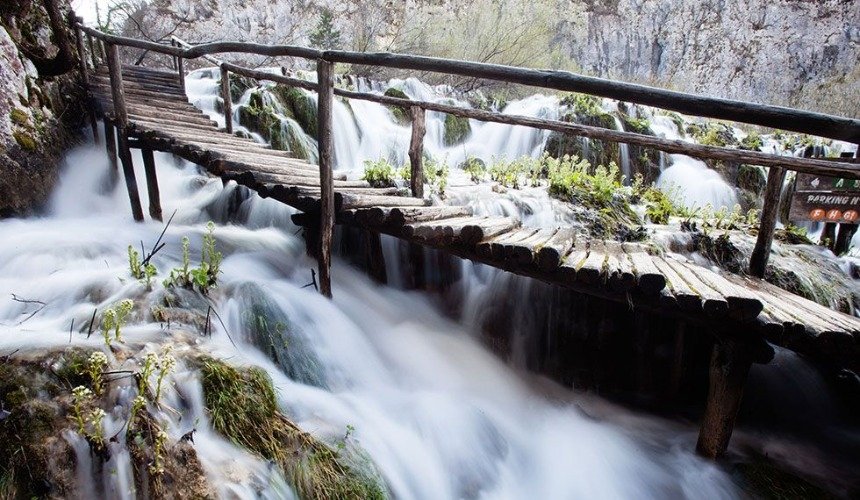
[{"x": 439, "y": 416}]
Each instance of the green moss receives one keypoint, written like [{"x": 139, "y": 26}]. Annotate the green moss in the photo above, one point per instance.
[
  {"x": 637, "y": 125},
  {"x": 19, "y": 117},
  {"x": 457, "y": 129},
  {"x": 751, "y": 178},
  {"x": 242, "y": 406},
  {"x": 752, "y": 142},
  {"x": 793, "y": 235},
  {"x": 401, "y": 114},
  {"x": 712, "y": 134},
  {"x": 24, "y": 140}
]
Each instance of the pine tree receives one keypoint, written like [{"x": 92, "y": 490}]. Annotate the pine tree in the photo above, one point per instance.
[{"x": 324, "y": 36}]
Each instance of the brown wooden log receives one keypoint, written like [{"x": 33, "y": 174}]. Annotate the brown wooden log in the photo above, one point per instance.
[
  {"x": 730, "y": 365},
  {"x": 152, "y": 184},
  {"x": 173, "y": 99},
  {"x": 648, "y": 277},
  {"x": 489, "y": 227},
  {"x": 416, "y": 152},
  {"x": 524, "y": 253},
  {"x": 399, "y": 216},
  {"x": 712, "y": 301},
  {"x": 180, "y": 69},
  {"x": 619, "y": 268},
  {"x": 358, "y": 201},
  {"x": 573, "y": 261},
  {"x": 743, "y": 304},
  {"x": 93, "y": 54},
  {"x": 325, "y": 103},
  {"x": 145, "y": 85},
  {"x": 228, "y": 101},
  {"x": 85, "y": 79},
  {"x": 494, "y": 248},
  {"x": 593, "y": 268},
  {"x": 435, "y": 228},
  {"x": 770, "y": 210},
  {"x": 686, "y": 298},
  {"x": 121, "y": 120},
  {"x": 110, "y": 144},
  {"x": 809, "y": 165},
  {"x": 374, "y": 258},
  {"x": 553, "y": 251}
]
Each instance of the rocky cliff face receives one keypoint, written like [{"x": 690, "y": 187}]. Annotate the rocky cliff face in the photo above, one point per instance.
[
  {"x": 799, "y": 53},
  {"x": 39, "y": 116}
]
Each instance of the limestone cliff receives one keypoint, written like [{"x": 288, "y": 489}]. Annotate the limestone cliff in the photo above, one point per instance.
[{"x": 39, "y": 114}]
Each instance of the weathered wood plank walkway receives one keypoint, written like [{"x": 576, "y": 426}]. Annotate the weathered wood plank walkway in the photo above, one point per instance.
[{"x": 161, "y": 117}]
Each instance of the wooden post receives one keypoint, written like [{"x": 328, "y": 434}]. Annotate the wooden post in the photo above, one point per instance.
[
  {"x": 121, "y": 120},
  {"x": 180, "y": 68},
  {"x": 730, "y": 365},
  {"x": 770, "y": 210},
  {"x": 228, "y": 102},
  {"x": 93, "y": 54},
  {"x": 325, "y": 103},
  {"x": 85, "y": 78},
  {"x": 679, "y": 361},
  {"x": 373, "y": 257},
  {"x": 110, "y": 143},
  {"x": 151, "y": 183},
  {"x": 416, "y": 152}
]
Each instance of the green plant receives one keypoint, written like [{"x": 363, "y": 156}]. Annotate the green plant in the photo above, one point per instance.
[
  {"x": 142, "y": 272},
  {"x": 658, "y": 206},
  {"x": 476, "y": 168},
  {"x": 113, "y": 320},
  {"x": 157, "y": 466},
  {"x": 150, "y": 363},
  {"x": 95, "y": 368},
  {"x": 205, "y": 276},
  {"x": 165, "y": 365},
  {"x": 95, "y": 419},
  {"x": 752, "y": 141},
  {"x": 81, "y": 399},
  {"x": 379, "y": 173},
  {"x": 137, "y": 404},
  {"x": 436, "y": 175}
]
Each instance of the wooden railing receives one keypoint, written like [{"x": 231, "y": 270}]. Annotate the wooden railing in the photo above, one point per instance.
[{"x": 818, "y": 124}]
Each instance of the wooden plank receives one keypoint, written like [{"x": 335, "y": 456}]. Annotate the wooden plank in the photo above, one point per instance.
[
  {"x": 686, "y": 298},
  {"x": 553, "y": 251},
  {"x": 743, "y": 304},
  {"x": 619, "y": 267},
  {"x": 487, "y": 228},
  {"x": 648, "y": 278},
  {"x": 524, "y": 253},
  {"x": 356, "y": 201},
  {"x": 494, "y": 248},
  {"x": 325, "y": 104},
  {"x": 399, "y": 216},
  {"x": 573, "y": 261},
  {"x": 434, "y": 230},
  {"x": 713, "y": 302},
  {"x": 592, "y": 269}
]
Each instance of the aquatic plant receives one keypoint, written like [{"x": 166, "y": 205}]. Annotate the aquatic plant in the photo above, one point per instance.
[
  {"x": 95, "y": 369},
  {"x": 379, "y": 173},
  {"x": 205, "y": 276},
  {"x": 139, "y": 270},
  {"x": 114, "y": 319}
]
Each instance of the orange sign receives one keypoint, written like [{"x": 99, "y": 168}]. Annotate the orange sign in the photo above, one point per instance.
[
  {"x": 849, "y": 216},
  {"x": 816, "y": 214}
]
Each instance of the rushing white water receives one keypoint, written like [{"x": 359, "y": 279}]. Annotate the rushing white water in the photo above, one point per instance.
[{"x": 438, "y": 414}]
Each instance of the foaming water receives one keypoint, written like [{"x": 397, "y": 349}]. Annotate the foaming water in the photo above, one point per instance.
[{"x": 439, "y": 416}]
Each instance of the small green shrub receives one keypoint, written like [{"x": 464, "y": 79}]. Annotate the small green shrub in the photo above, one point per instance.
[
  {"x": 379, "y": 173},
  {"x": 752, "y": 142},
  {"x": 475, "y": 167},
  {"x": 141, "y": 272},
  {"x": 436, "y": 175},
  {"x": 114, "y": 319},
  {"x": 205, "y": 276}
]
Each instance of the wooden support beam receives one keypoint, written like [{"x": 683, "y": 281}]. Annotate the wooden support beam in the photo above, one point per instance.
[
  {"x": 373, "y": 257},
  {"x": 416, "y": 152},
  {"x": 85, "y": 78},
  {"x": 121, "y": 120},
  {"x": 228, "y": 102},
  {"x": 93, "y": 54},
  {"x": 730, "y": 365},
  {"x": 180, "y": 68},
  {"x": 325, "y": 103},
  {"x": 770, "y": 210},
  {"x": 151, "y": 184},
  {"x": 110, "y": 144}
]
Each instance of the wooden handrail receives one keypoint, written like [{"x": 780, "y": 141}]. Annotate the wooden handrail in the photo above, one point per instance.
[{"x": 819, "y": 124}]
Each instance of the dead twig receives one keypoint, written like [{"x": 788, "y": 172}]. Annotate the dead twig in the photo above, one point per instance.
[{"x": 313, "y": 282}]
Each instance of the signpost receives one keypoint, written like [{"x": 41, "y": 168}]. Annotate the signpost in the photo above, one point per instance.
[{"x": 826, "y": 199}]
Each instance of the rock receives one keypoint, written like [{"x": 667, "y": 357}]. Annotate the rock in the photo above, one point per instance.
[
  {"x": 39, "y": 117},
  {"x": 401, "y": 115},
  {"x": 457, "y": 129}
]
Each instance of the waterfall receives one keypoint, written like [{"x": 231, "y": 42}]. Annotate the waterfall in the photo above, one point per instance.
[
  {"x": 623, "y": 152},
  {"x": 438, "y": 414}
]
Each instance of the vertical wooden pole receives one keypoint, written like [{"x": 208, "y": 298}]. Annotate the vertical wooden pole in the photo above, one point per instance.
[
  {"x": 416, "y": 152},
  {"x": 93, "y": 54},
  {"x": 325, "y": 102},
  {"x": 85, "y": 78},
  {"x": 121, "y": 120},
  {"x": 180, "y": 67},
  {"x": 730, "y": 365},
  {"x": 110, "y": 143},
  {"x": 769, "y": 212},
  {"x": 228, "y": 101},
  {"x": 679, "y": 361},
  {"x": 373, "y": 257},
  {"x": 151, "y": 183}
]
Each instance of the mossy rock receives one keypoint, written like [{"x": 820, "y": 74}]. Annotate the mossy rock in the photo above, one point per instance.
[
  {"x": 595, "y": 151},
  {"x": 25, "y": 140},
  {"x": 401, "y": 114},
  {"x": 457, "y": 129},
  {"x": 242, "y": 406},
  {"x": 751, "y": 178},
  {"x": 300, "y": 105},
  {"x": 271, "y": 330},
  {"x": 19, "y": 117},
  {"x": 239, "y": 85}
]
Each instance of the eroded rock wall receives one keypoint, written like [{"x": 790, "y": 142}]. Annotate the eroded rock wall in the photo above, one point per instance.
[{"x": 39, "y": 117}]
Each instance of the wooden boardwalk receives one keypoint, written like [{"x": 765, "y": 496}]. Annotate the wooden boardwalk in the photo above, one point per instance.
[
  {"x": 741, "y": 312},
  {"x": 161, "y": 118}
]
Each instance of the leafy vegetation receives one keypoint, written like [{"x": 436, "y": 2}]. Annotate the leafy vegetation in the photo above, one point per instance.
[
  {"x": 203, "y": 277},
  {"x": 752, "y": 142},
  {"x": 324, "y": 35},
  {"x": 379, "y": 173},
  {"x": 475, "y": 167},
  {"x": 140, "y": 271},
  {"x": 113, "y": 319}
]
